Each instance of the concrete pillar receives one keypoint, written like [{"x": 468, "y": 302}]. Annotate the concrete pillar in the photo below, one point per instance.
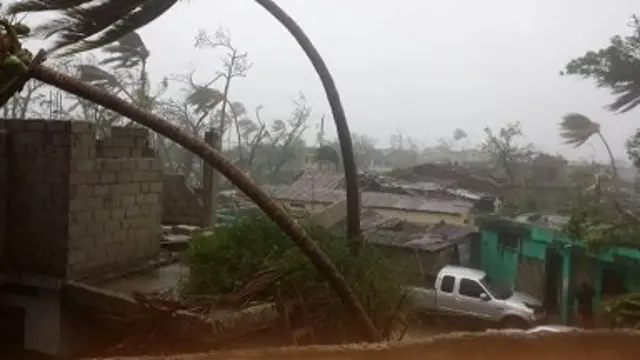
[
  {"x": 567, "y": 298},
  {"x": 210, "y": 181}
]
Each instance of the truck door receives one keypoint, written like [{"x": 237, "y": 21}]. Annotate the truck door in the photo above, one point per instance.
[{"x": 474, "y": 300}]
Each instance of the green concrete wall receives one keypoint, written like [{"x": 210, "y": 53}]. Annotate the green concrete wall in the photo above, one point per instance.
[
  {"x": 499, "y": 263},
  {"x": 502, "y": 264}
]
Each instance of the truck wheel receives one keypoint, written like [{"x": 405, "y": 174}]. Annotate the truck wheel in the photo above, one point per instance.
[{"x": 514, "y": 322}]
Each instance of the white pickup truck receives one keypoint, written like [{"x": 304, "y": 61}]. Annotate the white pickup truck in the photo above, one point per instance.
[{"x": 470, "y": 292}]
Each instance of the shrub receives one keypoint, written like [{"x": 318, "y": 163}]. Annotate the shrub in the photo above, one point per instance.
[{"x": 221, "y": 263}]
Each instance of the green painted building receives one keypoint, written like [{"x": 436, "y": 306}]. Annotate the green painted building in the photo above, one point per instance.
[{"x": 541, "y": 260}]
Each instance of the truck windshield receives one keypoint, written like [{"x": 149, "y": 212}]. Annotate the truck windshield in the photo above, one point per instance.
[{"x": 498, "y": 291}]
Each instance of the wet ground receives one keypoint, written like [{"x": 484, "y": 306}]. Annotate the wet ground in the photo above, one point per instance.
[
  {"x": 585, "y": 346},
  {"x": 28, "y": 355},
  {"x": 161, "y": 279}
]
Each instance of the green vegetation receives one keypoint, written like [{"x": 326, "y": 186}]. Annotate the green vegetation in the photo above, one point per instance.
[
  {"x": 600, "y": 220},
  {"x": 600, "y": 225},
  {"x": 252, "y": 259},
  {"x": 624, "y": 311}
]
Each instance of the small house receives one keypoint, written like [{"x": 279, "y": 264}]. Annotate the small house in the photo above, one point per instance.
[
  {"x": 537, "y": 258},
  {"x": 422, "y": 250}
]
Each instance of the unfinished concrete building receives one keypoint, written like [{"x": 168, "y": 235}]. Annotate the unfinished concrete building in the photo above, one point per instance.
[{"x": 71, "y": 208}]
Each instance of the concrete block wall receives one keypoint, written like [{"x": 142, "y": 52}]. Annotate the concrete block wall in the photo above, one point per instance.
[
  {"x": 37, "y": 160},
  {"x": 114, "y": 203},
  {"x": 125, "y": 142},
  {"x": 79, "y": 207}
]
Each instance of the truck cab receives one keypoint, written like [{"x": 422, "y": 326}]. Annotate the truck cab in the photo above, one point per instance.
[{"x": 470, "y": 292}]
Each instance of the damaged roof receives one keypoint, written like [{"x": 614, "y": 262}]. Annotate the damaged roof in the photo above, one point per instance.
[
  {"x": 370, "y": 199},
  {"x": 440, "y": 236},
  {"x": 459, "y": 176},
  {"x": 414, "y": 186},
  {"x": 319, "y": 180},
  {"x": 430, "y": 238}
]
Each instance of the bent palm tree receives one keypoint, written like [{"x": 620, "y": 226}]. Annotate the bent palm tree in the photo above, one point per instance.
[
  {"x": 326, "y": 268},
  {"x": 114, "y": 19},
  {"x": 576, "y": 129},
  {"x": 234, "y": 174}
]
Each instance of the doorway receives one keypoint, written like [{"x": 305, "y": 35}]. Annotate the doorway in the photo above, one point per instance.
[
  {"x": 613, "y": 282},
  {"x": 553, "y": 277}
]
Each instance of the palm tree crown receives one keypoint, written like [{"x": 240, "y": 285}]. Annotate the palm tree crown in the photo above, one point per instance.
[
  {"x": 82, "y": 19},
  {"x": 577, "y": 129}
]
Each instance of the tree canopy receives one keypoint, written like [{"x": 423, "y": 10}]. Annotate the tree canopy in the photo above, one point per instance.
[
  {"x": 601, "y": 218},
  {"x": 615, "y": 67}
]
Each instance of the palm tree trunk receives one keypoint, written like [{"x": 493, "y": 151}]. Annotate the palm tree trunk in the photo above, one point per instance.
[
  {"x": 215, "y": 181},
  {"x": 614, "y": 168},
  {"x": 199, "y": 147},
  {"x": 342, "y": 128}
]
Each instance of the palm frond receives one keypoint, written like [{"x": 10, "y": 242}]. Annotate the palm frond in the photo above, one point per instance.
[
  {"x": 129, "y": 51},
  {"x": 96, "y": 76},
  {"x": 78, "y": 23},
  {"x": 204, "y": 99},
  {"x": 27, "y": 6},
  {"x": 109, "y": 20},
  {"x": 576, "y": 129},
  {"x": 628, "y": 97},
  {"x": 147, "y": 12}
]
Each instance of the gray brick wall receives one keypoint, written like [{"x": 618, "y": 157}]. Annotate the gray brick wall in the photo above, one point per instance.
[
  {"x": 79, "y": 207},
  {"x": 37, "y": 194}
]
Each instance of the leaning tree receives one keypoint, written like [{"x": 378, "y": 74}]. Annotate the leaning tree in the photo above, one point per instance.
[
  {"x": 111, "y": 19},
  {"x": 81, "y": 19}
]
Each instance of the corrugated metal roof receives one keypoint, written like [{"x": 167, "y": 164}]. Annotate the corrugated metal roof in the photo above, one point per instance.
[
  {"x": 434, "y": 238},
  {"x": 316, "y": 180},
  {"x": 319, "y": 181},
  {"x": 372, "y": 200},
  {"x": 440, "y": 236},
  {"x": 370, "y": 220},
  {"x": 422, "y": 185}
]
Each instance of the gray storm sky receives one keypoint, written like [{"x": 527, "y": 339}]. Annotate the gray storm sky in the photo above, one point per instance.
[{"x": 422, "y": 67}]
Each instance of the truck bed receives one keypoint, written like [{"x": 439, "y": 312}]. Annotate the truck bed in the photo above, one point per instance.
[{"x": 422, "y": 298}]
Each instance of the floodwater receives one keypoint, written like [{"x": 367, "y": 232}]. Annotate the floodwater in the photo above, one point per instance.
[{"x": 592, "y": 345}]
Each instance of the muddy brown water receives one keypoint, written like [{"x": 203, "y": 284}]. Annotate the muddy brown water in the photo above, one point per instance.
[{"x": 592, "y": 345}]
